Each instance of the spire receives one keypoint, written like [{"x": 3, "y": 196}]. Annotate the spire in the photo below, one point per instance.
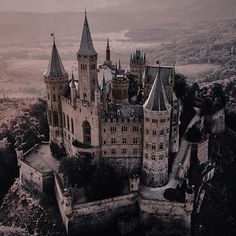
[
  {"x": 157, "y": 100},
  {"x": 108, "y": 53},
  {"x": 86, "y": 44},
  {"x": 119, "y": 66},
  {"x": 55, "y": 66},
  {"x": 72, "y": 81},
  {"x": 108, "y": 46}
]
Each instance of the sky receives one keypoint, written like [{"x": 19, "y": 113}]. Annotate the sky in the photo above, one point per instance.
[{"x": 183, "y": 9}]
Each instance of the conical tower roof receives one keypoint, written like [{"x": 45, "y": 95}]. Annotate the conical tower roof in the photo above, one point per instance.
[
  {"x": 55, "y": 66},
  {"x": 86, "y": 44},
  {"x": 157, "y": 100}
]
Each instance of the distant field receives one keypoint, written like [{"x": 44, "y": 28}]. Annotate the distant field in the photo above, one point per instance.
[{"x": 196, "y": 71}]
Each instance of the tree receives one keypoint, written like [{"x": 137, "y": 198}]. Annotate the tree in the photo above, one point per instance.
[
  {"x": 105, "y": 183},
  {"x": 180, "y": 86}
]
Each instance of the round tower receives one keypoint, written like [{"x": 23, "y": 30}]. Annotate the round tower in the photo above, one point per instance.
[
  {"x": 120, "y": 88},
  {"x": 56, "y": 81},
  {"x": 157, "y": 114}
]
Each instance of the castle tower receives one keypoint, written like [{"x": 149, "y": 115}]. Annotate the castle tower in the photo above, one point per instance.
[
  {"x": 87, "y": 65},
  {"x": 137, "y": 66},
  {"x": 56, "y": 81},
  {"x": 120, "y": 88},
  {"x": 157, "y": 114},
  {"x": 108, "y": 53}
]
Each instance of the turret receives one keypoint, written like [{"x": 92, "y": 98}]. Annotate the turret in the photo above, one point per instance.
[
  {"x": 120, "y": 89},
  {"x": 137, "y": 66},
  {"x": 157, "y": 113},
  {"x": 56, "y": 81},
  {"x": 87, "y": 65}
]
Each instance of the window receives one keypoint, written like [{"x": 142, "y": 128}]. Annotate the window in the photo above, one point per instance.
[
  {"x": 86, "y": 132},
  {"x": 64, "y": 120},
  {"x": 68, "y": 122},
  {"x": 93, "y": 67},
  {"x": 153, "y": 157},
  {"x": 147, "y": 119},
  {"x": 135, "y": 151},
  {"x": 147, "y": 131},
  {"x": 54, "y": 97},
  {"x": 161, "y": 146},
  {"x": 153, "y": 146},
  {"x": 113, "y": 151},
  {"x": 135, "y": 129},
  {"x": 83, "y": 67},
  {"x": 113, "y": 129},
  {"x": 162, "y": 120},
  {"x": 124, "y": 128},
  {"x": 55, "y": 119},
  {"x": 154, "y": 121},
  {"x": 48, "y": 96},
  {"x": 104, "y": 142},
  {"x": 167, "y": 131},
  {"x": 124, "y": 140},
  {"x": 161, "y": 157},
  {"x": 113, "y": 140},
  {"x": 162, "y": 132},
  {"x": 72, "y": 126},
  {"x": 146, "y": 156},
  {"x": 154, "y": 132},
  {"x": 104, "y": 130},
  {"x": 135, "y": 140},
  {"x": 147, "y": 145},
  {"x": 123, "y": 151}
]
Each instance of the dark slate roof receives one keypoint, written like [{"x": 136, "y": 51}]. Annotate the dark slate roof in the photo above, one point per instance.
[
  {"x": 55, "y": 66},
  {"x": 151, "y": 72},
  {"x": 125, "y": 111},
  {"x": 157, "y": 100},
  {"x": 86, "y": 44}
]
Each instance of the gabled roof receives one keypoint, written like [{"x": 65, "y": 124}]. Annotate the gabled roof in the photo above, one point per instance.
[
  {"x": 157, "y": 100},
  {"x": 86, "y": 44},
  {"x": 55, "y": 66}
]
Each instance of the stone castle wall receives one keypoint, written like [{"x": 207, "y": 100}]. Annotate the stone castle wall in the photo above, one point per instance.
[
  {"x": 100, "y": 214},
  {"x": 169, "y": 213}
]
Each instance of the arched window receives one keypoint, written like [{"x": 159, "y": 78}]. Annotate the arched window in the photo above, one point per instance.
[
  {"x": 68, "y": 122},
  {"x": 55, "y": 119},
  {"x": 72, "y": 126},
  {"x": 87, "y": 132}
]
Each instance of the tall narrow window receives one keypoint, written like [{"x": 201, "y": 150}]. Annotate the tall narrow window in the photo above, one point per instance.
[
  {"x": 87, "y": 132},
  {"x": 72, "y": 126},
  {"x": 64, "y": 120},
  {"x": 55, "y": 119},
  {"x": 68, "y": 122}
]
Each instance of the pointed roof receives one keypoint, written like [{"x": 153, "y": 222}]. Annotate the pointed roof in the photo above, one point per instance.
[
  {"x": 55, "y": 66},
  {"x": 157, "y": 100},
  {"x": 86, "y": 44},
  {"x": 108, "y": 45},
  {"x": 73, "y": 81}
]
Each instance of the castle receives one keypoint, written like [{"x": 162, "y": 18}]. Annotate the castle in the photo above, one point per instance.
[
  {"x": 101, "y": 119},
  {"x": 137, "y": 134}
]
